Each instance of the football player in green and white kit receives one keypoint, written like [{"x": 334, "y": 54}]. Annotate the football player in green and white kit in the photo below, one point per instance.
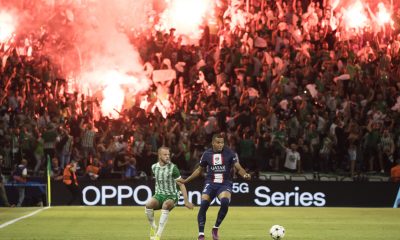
[{"x": 166, "y": 193}]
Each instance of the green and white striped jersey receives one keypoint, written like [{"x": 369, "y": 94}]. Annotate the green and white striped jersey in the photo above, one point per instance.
[{"x": 165, "y": 177}]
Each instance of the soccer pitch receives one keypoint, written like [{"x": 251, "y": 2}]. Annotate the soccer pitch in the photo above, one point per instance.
[{"x": 119, "y": 223}]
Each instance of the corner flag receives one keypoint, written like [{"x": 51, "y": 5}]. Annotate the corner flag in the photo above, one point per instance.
[{"x": 48, "y": 181}]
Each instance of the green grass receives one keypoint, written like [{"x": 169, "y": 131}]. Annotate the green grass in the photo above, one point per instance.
[
  {"x": 119, "y": 223},
  {"x": 8, "y": 214}
]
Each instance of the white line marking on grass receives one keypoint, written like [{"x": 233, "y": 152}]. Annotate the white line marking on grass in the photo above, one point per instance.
[{"x": 23, "y": 217}]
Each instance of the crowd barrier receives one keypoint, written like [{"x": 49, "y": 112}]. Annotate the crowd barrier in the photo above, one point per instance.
[
  {"x": 35, "y": 193},
  {"x": 252, "y": 193}
]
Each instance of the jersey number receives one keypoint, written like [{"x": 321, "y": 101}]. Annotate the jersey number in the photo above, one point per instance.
[{"x": 205, "y": 188}]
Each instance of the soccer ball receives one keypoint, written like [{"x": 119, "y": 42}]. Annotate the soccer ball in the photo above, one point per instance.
[{"x": 277, "y": 232}]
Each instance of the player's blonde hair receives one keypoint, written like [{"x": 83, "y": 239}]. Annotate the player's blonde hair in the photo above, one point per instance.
[{"x": 162, "y": 148}]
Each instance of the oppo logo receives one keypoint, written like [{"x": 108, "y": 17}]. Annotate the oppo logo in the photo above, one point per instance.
[
  {"x": 120, "y": 192},
  {"x": 265, "y": 197},
  {"x": 139, "y": 195}
]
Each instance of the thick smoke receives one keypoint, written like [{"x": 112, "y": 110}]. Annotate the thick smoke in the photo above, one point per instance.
[
  {"x": 88, "y": 40},
  {"x": 186, "y": 16},
  {"x": 103, "y": 43}
]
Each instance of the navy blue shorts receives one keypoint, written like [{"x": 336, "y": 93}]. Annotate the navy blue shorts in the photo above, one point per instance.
[{"x": 214, "y": 189}]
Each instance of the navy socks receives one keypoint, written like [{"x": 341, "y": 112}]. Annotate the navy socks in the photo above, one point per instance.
[
  {"x": 222, "y": 211},
  {"x": 201, "y": 217}
]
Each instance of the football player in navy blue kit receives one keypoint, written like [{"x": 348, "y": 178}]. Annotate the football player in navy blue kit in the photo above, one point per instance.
[{"x": 218, "y": 162}]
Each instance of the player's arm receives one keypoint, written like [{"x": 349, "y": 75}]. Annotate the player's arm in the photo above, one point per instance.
[
  {"x": 240, "y": 170},
  {"x": 184, "y": 194},
  {"x": 194, "y": 175}
]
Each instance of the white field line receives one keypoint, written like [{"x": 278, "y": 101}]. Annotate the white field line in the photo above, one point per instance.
[{"x": 23, "y": 217}]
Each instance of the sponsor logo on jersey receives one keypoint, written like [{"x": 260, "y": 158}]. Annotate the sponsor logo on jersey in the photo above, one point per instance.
[
  {"x": 218, "y": 168},
  {"x": 217, "y": 159}
]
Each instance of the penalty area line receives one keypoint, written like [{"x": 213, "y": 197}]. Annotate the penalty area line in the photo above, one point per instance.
[{"x": 23, "y": 217}]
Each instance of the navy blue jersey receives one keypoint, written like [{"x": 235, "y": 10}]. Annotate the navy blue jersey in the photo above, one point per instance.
[{"x": 219, "y": 165}]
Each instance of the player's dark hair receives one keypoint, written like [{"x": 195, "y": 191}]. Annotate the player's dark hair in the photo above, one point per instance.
[{"x": 218, "y": 135}]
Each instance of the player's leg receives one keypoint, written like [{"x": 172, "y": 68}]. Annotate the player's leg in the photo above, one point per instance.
[
  {"x": 201, "y": 216},
  {"x": 225, "y": 198},
  {"x": 72, "y": 190},
  {"x": 151, "y": 205},
  {"x": 167, "y": 206},
  {"x": 206, "y": 197}
]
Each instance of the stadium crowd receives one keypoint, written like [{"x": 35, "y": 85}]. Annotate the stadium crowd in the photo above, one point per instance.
[{"x": 292, "y": 88}]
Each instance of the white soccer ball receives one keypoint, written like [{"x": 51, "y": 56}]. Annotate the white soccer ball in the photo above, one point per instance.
[{"x": 277, "y": 232}]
